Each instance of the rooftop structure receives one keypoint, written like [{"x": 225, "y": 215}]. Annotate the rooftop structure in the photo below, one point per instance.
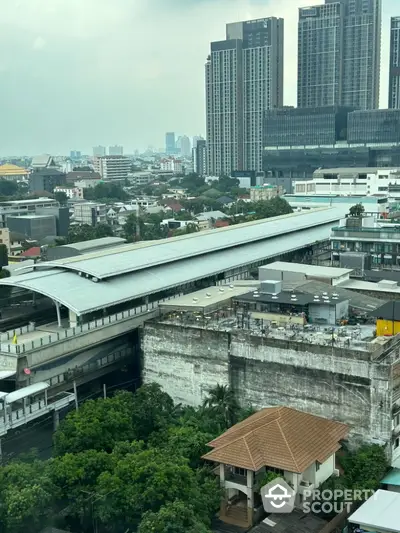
[
  {"x": 278, "y": 439},
  {"x": 10, "y": 172},
  {"x": 43, "y": 161},
  {"x": 297, "y": 271},
  {"x": 133, "y": 271},
  {"x": 290, "y": 447},
  {"x": 379, "y": 513},
  {"x": 80, "y": 248}
]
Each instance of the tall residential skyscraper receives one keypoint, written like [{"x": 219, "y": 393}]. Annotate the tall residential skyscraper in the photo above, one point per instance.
[
  {"x": 394, "y": 66},
  {"x": 339, "y": 47},
  {"x": 244, "y": 77},
  {"x": 199, "y": 154},
  {"x": 184, "y": 146}
]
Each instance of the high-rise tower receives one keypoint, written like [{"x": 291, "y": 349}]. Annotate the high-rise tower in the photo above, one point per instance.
[
  {"x": 339, "y": 48},
  {"x": 394, "y": 66},
  {"x": 244, "y": 77}
]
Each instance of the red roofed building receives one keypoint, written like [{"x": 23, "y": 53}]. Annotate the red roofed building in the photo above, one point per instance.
[{"x": 31, "y": 252}]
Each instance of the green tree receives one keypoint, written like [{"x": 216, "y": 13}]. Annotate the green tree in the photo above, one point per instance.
[
  {"x": 152, "y": 410},
  {"x": 364, "y": 468},
  {"x": 61, "y": 197},
  {"x": 5, "y": 290},
  {"x": 357, "y": 210},
  {"x": 146, "y": 481},
  {"x": 8, "y": 188},
  {"x": 98, "y": 425},
  {"x": 221, "y": 399},
  {"x": 175, "y": 517},
  {"x": 3, "y": 258},
  {"x": 188, "y": 441},
  {"x": 84, "y": 232},
  {"x": 26, "y": 497},
  {"x": 75, "y": 476}
]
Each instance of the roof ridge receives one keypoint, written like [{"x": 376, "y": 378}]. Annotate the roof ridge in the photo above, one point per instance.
[
  {"x": 287, "y": 444},
  {"x": 250, "y": 455}
]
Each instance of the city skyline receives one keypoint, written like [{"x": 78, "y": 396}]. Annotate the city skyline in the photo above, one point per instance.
[{"x": 58, "y": 79}]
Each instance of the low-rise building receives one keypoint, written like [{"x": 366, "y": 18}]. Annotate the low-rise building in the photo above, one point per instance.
[
  {"x": 90, "y": 213},
  {"x": 23, "y": 207},
  {"x": 264, "y": 192},
  {"x": 171, "y": 164},
  {"x": 298, "y": 446},
  {"x": 351, "y": 181},
  {"x": 5, "y": 238},
  {"x": 46, "y": 179},
  {"x": 367, "y": 235},
  {"x": 11, "y": 172},
  {"x": 111, "y": 167},
  {"x": 379, "y": 514},
  {"x": 34, "y": 227},
  {"x": 70, "y": 192}
]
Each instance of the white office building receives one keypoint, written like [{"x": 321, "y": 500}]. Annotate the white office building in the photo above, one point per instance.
[
  {"x": 351, "y": 182},
  {"x": 90, "y": 213},
  {"x": 112, "y": 167}
]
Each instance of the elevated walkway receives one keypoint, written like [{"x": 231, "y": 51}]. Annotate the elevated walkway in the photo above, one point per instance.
[{"x": 29, "y": 403}]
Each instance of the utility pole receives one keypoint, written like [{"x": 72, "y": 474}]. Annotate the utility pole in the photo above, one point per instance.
[{"x": 138, "y": 224}]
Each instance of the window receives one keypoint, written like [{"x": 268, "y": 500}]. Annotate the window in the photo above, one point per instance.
[
  {"x": 397, "y": 442},
  {"x": 240, "y": 471},
  {"x": 317, "y": 466},
  {"x": 275, "y": 470}
]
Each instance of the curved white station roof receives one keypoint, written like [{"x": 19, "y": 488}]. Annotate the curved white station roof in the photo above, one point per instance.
[{"x": 139, "y": 271}]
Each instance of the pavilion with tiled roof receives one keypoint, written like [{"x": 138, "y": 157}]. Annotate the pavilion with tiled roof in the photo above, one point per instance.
[{"x": 297, "y": 446}]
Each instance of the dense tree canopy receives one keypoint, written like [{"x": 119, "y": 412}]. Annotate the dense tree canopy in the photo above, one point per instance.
[
  {"x": 106, "y": 192},
  {"x": 132, "y": 462},
  {"x": 61, "y": 197},
  {"x": 8, "y": 188},
  {"x": 84, "y": 232}
]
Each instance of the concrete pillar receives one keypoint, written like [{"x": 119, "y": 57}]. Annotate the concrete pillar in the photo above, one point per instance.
[
  {"x": 73, "y": 319},
  {"x": 250, "y": 496},
  {"x": 222, "y": 475},
  {"x": 58, "y": 313},
  {"x": 56, "y": 420}
]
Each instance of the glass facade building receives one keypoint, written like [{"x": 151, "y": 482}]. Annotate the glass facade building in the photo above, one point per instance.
[
  {"x": 307, "y": 126},
  {"x": 339, "y": 46},
  {"x": 283, "y": 166},
  {"x": 374, "y": 126}
]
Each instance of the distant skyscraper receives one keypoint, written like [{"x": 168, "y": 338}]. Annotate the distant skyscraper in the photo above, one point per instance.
[
  {"x": 195, "y": 139},
  {"x": 184, "y": 146},
  {"x": 116, "y": 150},
  {"x": 170, "y": 143},
  {"x": 75, "y": 154},
  {"x": 244, "y": 77},
  {"x": 200, "y": 158},
  {"x": 394, "y": 66},
  {"x": 99, "y": 151},
  {"x": 339, "y": 45}
]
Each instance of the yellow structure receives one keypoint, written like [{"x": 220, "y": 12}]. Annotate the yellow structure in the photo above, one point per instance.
[
  {"x": 384, "y": 328},
  {"x": 13, "y": 172},
  {"x": 387, "y": 319}
]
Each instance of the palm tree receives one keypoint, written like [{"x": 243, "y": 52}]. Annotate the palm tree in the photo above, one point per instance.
[{"x": 221, "y": 399}]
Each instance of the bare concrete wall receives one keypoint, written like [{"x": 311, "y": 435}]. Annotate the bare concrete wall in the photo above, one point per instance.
[{"x": 340, "y": 384}]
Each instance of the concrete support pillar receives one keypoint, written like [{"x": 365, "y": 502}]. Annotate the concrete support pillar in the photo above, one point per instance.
[
  {"x": 56, "y": 420},
  {"x": 222, "y": 475},
  {"x": 250, "y": 496},
  {"x": 73, "y": 319},
  {"x": 58, "y": 313}
]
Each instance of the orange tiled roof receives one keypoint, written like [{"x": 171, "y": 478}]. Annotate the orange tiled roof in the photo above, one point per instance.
[{"x": 278, "y": 437}]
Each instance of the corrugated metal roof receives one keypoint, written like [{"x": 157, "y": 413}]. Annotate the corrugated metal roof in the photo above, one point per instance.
[
  {"x": 198, "y": 244},
  {"x": 95, "y": 243},
  {"x": 380, "y": 512},
  {"x": 20, "y": 394},
  {"x": 83, "y": 296}
]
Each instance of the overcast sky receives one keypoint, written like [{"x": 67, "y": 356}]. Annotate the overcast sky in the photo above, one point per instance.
[{"x": 77, "y": 73}]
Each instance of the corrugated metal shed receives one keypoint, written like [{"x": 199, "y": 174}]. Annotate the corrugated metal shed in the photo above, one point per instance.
[{"x": 83, "y": 296}]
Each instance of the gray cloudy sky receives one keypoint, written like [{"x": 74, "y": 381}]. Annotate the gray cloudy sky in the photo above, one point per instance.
[{"x": 77, "y": 73}]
